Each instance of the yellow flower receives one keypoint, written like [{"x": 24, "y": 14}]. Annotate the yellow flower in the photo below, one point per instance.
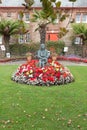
[
  {"x": 27, "y": 73},
  {"x": 31, "y": 71},
  {"x": 57, "y": 69}
]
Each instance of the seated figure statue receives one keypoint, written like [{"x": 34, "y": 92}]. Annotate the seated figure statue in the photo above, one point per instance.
[{"x": 43, "y": 55}]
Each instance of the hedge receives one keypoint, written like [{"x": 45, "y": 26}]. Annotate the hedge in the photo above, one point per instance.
[{"x": 22, "y": 49}]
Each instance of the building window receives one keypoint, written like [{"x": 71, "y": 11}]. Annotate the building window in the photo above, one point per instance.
[
  {"x": 19, "y": 17},
  {"x": 27, "y": 17},
  {"x": 78, "y": 18},
  {"x": 78, "y": 40},
  {"x": 27, "y": 37},
  {"x": 8, "y": 14},
  {"x": 21, "y": 38},
  {"x": 84, "y": 18},
  {"x": 24, "y": 38}
]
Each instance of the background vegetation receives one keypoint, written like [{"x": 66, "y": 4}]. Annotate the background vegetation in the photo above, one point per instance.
[{"x": 22, "y": 49}]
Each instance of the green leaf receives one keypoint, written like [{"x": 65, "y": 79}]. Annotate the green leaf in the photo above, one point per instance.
[
  {"x": 72, "y": 0},
  {"x": 53, "y": 0},
  {"x": 29, "y": 2},
  {"x": 58, "y": 4},
  {"x": 63, "y": 17}
]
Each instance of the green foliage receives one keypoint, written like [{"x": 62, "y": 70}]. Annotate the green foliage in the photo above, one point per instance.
[
  {"x": 63, "y": 31},
  {"x": 80, "y": 30},
  {"x": 22, "y": 49},
  {"x": 48, "y": 14},
  {"x": 53, "y": 0},
  {"x": 9, "y": 27},
  {"x": 72, "y": 0},
  {"x": 28, "y": 4},
  {"x": 56, "y": 46},
  {"x": 24, "y": 107},
  {"x": 48, "y": 8},
  {"x": 21, "y": 15}
]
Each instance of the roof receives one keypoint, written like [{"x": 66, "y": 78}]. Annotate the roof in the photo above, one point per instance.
[
  {"x": 17, "y": 3},
  {"x": 78, "y": 3},
  {"x": 8, "y": 3},
  {"x": 65, "y": 3}
]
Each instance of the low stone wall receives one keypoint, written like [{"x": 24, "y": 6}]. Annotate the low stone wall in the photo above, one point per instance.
[
  {"x": 74, "y": 50},
  {"x": 2, "y": 53}
]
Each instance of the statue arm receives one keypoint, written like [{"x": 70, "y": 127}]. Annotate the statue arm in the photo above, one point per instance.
[
  {"x": 47, "y": 54},
  {"x": 38, "y": 54}
]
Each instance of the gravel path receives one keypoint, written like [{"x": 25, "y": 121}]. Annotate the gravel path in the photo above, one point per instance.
[{"x": 65, "y": 63}]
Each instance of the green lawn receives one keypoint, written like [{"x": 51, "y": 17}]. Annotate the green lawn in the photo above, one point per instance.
[{"x": 24, "y": 107}]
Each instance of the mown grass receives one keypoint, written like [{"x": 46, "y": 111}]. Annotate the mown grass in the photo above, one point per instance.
[{"x": 24, "y": 107}]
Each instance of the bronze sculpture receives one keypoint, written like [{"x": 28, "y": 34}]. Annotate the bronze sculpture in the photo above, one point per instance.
[{"x": 43, "y": 55}]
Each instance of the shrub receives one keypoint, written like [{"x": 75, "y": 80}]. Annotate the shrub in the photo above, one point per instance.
[
  {"x": 22, "y": 49},
  {"x": 56, "y": 46}
]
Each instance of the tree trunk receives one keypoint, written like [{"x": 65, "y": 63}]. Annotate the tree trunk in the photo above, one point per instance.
[
  {"x": 6, "y": 42},
  {"x": 42, "y": 32},
  {"x": 83, "y": 50}
]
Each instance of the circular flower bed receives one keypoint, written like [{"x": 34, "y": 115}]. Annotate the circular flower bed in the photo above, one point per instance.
[{"x": 52, "y": 74}]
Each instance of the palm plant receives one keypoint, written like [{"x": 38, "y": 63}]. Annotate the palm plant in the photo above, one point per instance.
[
  {"x": 80, "y": 30},
  {"x": 7, "y": 29},
  {"x": 48, "y": 15},
  {"x": 28, "y": 4}
]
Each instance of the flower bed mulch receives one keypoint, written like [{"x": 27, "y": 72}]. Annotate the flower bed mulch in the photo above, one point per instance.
[{"x": 52, "y": 74}]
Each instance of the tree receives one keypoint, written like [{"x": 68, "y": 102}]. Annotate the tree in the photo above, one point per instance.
[
  {"x": 9, "y": 28},
  {"x": 80, "y": 30},
  {"x": 28, "y": 4},
  {"x": 70, "y": 19},
  {"x": 48, "y": 14}
]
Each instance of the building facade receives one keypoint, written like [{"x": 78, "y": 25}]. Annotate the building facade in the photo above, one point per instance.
[
  {"x": 13, "y": 13},
  {"x": 11, "y": 9}
]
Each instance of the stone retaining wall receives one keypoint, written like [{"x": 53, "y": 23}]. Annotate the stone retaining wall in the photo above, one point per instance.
[{"x": 76, "y": 50}]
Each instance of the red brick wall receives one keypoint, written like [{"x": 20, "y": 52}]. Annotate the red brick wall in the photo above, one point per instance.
[{"x": 52, "y": 30}]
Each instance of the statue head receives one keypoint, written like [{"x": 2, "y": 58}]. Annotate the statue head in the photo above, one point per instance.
[{"x": 42, "y": 46}]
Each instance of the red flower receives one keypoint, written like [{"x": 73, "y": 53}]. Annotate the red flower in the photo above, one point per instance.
[
  {"x": 58, "y": 74},
  {"x": 51, "y": 78},
  {"x": 47, "y": 74}
]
